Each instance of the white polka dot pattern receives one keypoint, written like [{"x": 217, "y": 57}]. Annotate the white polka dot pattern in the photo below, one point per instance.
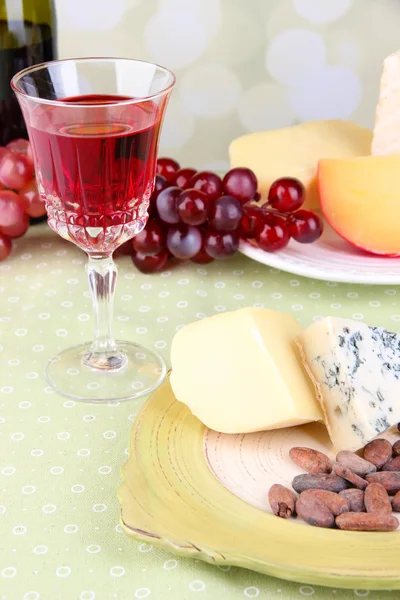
[{"x": 60, "y": 460}]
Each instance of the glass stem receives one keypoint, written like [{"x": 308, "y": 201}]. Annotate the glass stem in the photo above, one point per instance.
[{"x": 102, "y": 275}]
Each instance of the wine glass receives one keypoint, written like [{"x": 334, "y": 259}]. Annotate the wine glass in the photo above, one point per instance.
[{"x": 94, "y": 126}]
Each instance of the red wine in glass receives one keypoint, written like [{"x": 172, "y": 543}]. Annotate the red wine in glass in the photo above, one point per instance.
[
  {"x": 97, "y": 167},
  {"x": 95, "y": 161}
]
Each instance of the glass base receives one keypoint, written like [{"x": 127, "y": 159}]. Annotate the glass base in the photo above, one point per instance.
[{"x": 142, "y": 371}]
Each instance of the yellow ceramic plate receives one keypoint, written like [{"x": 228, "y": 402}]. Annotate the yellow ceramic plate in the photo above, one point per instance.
[{"x": 171, "y": 499}]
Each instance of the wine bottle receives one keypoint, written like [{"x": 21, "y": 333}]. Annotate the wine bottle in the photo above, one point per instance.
[{"x": 27, "y": 37}]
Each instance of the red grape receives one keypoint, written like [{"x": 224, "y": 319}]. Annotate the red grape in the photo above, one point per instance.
[
  {"x": 286, "y": 194},
  {"x": 202, "y": 258},
  {"x": 15, "y": 170},
  {"x": 183, "y": 177},
  {"x": 150, "y": 264},
  {"x": 225, "y": 214},
  {"x": 160, "y": 183},
  {"x": 11, "y": 209},
  {"x": 184, "y": 241},
  {"x": 18, "y": 229},
  {"x": 240, "y": 183},
  {"x": 167, "y": 205},
  {"x": 193, "y": 207},
  {"x": 151, "y": 240},
  {"x": 124, "y": 249},
  {"x": 31, "y": 201},
  {"x": 273, "y": 234},
  {"x": 3, "y": 152},
  {"x": 167, "y": 167},
  {"x": 252, "y": 220},
  {"x": 305, "y": 226},
  {"x": 19, "y": 145},
  {"x": 5, "y": 246},
  {"x": 221, "y": 245},
  {"x": 208, "y": 182}
]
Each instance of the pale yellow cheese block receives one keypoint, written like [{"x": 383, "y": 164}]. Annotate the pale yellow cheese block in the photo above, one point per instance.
[
  {"x": 295, "y": 152},
  {"x": 240, "y": 372}
]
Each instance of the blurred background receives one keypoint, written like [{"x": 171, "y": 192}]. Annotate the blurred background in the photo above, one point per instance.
[{"x": 243, "y": 65}]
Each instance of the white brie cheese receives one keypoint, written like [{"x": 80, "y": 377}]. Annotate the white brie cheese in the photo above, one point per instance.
[{"x": 386, "y": 138}]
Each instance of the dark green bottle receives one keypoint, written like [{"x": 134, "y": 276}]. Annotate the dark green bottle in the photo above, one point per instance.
[{"x": 27, "y": 37}]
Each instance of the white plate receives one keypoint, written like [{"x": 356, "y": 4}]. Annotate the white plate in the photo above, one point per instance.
[{"x": 331, "y": 259}]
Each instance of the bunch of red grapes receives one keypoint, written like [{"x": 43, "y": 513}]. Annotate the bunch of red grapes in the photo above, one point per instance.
[
  {"x": 193, "y": 215},
  {"x": 197, "y": 215},
  {"x": 19, "y": 197}
]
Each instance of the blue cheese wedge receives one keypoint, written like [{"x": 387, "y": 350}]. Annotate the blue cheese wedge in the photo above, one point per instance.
[{"x": 355, "y": 369}]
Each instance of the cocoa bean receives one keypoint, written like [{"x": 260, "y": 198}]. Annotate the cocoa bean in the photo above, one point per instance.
[
  {"x": 392, "y": 465},
  {"x": 336, "y": 504},
  {"x": 314, "y": 512},
  {"x": 319, "y": 481},
  {"x": 389, "y": 479},
  {"x": 311, "y": 460},
  {"x": 396, "y": 448},
  {"x": 282, "y": 500},
  {"x": 349, "y": 475},
  {"x": 396, "y": 502},
  {"x": 355, "y": 498},
  {"x": 376, "y": 499},
  {"x": 352, "y": 461},
  {"x": 378, "y": 452},
  {"x": 359, "y": 521}
]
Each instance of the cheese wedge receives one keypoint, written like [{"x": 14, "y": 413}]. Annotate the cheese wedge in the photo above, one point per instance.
[
  {"x": 360, "y": 199},
  {"x": 386, "y": 139},
  {"x": 240, "y": 372},
  {"x": 295, "y": 152},
  {"x": 356, "y": 372}
]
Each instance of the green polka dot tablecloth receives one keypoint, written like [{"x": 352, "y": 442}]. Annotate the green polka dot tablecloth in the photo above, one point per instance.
[{"x": 60, "y": 460}]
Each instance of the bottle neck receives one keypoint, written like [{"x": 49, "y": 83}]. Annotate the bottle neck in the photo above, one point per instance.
[{"x": 34, "y": 11}]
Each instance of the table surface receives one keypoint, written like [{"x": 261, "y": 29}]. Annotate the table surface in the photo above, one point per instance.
[{"x": 60, "y": 460}]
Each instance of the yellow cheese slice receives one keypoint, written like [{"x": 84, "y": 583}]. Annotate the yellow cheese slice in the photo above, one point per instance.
[
  {"x": 240, "y": 372},
  {"x": 295, "y": 152}
]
